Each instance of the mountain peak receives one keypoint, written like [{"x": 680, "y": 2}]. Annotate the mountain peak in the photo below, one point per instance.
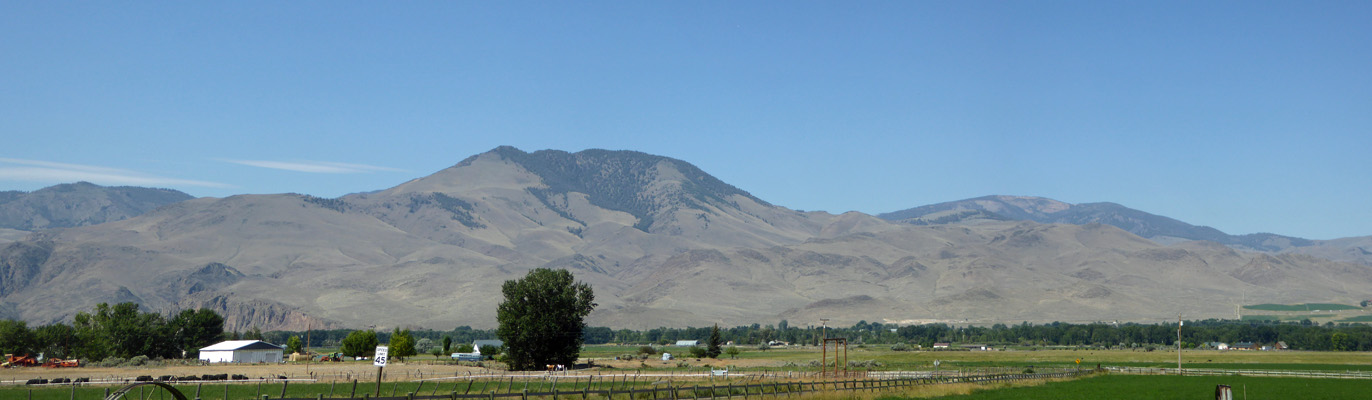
[{"x": 637, "y": 183}]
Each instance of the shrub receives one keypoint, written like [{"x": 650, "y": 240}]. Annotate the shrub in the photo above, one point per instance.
[
  {"x": 136, "y": 361},
  {"x": 111, "y": 361},
  {"x": 699, "y": 352},
  {"x": 900, "y": 347},
  {"x": 647, "y": 350}
]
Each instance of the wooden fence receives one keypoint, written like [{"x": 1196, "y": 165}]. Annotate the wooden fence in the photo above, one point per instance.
[{"x": 744, "y": 391}]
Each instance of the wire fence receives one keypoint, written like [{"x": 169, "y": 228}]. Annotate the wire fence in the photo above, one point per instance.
[{"x": 1245, "y": 372}]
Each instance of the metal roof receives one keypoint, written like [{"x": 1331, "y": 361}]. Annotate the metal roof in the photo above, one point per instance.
[{"x": 230, "y": 345}]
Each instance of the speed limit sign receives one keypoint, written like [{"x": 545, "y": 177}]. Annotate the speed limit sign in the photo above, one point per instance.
[{"x": 380, "y": 360}]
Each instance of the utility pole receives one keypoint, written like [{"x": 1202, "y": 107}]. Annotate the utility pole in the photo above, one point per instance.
[{"x": 1179, "y": 323}]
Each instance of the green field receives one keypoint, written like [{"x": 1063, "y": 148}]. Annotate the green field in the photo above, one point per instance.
[
  {"x": 1302, "y": 307},
  {"x": 1284, "y": 317},
  {"x": 1360, "y": 318},
  {"x": 1126, "y": 387}
]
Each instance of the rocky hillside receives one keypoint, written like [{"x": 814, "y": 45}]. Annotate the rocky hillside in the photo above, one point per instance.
[{"x": 661, "y": 242}]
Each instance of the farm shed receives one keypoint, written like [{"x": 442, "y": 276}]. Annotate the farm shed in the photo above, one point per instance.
[
  {"x": 687, "y": 343},
  {"x": 242, "y": 351}
]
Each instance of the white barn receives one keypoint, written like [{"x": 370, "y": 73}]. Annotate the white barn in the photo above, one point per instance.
[{"x": 242, "y": 351}]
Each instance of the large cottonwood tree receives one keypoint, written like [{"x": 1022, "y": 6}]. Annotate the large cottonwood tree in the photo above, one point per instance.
[{"x": 542, "y": 318}]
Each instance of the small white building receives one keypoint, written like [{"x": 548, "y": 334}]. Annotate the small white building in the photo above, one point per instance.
[
  {"x": 476, "y": 355},
  {"x": 242, "y": 351},
  {"x": 688, "y": 343}
]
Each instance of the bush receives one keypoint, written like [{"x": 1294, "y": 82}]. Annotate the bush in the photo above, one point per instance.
[
  {"x": 699, "y": 352},
  {"x": 136, "y": 361},
  {"x": 900, "y": 347},
  {"x": 649, "y": 350},
  {"x": 111, "y": 361}
]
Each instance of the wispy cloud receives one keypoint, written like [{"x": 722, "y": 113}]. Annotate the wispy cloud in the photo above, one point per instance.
[
  {"x": 321, "y": 167},
  {"x": 14, "y": 169}
]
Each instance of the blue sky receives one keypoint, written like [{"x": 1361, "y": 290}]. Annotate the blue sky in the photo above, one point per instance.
[{"x": 1251, "y": 116}]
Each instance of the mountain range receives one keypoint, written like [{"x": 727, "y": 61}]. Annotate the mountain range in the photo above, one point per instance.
[{"x": 661, "y": 242}]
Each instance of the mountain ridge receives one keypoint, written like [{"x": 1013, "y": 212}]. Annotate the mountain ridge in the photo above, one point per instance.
[
  {"x": 80, "y": 204},
  {"x": 662, "y": 242},
  {"x": 1148, "y": 225}
]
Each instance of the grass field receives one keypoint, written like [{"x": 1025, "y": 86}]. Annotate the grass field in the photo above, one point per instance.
[
  {"x": 1127, "y": 387},
  {"x": 1286, "y": 317},
  {"x": 1302, "y": 307},
  {"x": 752, "y": 360},
  {"x": 1360, "y": 318}
]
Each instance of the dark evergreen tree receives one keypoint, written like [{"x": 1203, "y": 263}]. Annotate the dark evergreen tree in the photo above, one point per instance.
[{"x": 712, "y": 346}]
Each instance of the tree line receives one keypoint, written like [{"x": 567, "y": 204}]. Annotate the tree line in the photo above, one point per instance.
[
  {"x": 119, "y": 331},
  {"x": 123, "y": 331},
  {"x": 1301, "y": 335}
]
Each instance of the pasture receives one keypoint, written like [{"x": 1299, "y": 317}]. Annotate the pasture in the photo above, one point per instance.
[
  {"x": 427, "y": 375},
  {"x": 1143, "y": 387}
]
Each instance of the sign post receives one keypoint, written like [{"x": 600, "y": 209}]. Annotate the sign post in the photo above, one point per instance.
[{"x": 380, "y": 362}]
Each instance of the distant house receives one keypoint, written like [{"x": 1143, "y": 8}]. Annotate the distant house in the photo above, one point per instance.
[
  {"x": 242, "y": 351},
  {"x": 1282, "y": 346},
  {"x": 975, "y": 347},
  {"x": 1217, "y": 345},
  {"x": 688, "y": 343},
  {"x": 941, "y": 345},
  {"x": 1244, "y": 346},
  {"x": 778, "y": 343}
]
